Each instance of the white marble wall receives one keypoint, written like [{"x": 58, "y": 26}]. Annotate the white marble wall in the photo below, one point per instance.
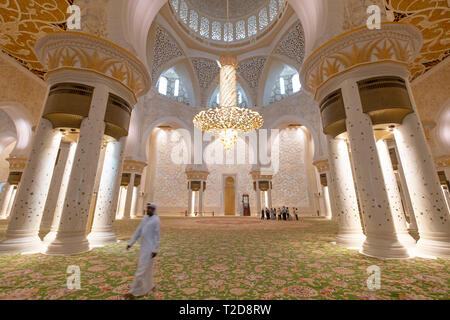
[{"x": 292, "y": 185}]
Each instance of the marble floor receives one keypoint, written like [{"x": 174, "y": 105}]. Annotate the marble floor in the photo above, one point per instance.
[{"x": 228, "y": 258}]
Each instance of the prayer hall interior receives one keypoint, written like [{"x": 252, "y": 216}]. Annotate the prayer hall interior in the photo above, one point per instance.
[{"x": 334, "y": 115}]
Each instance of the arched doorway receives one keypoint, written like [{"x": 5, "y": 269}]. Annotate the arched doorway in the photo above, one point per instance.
[{"x": 230, "y": 197}]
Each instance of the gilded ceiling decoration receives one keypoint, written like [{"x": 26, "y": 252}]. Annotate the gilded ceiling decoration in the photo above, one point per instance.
[
  {"x": 22, "y": 23},
  {"x": 432, "y": 18}
]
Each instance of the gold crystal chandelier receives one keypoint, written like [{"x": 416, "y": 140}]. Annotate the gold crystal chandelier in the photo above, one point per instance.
[{"x": 228, "y": 121}]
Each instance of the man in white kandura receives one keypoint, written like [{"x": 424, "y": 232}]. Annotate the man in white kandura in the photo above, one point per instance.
[{"x": 148, "y": 231}]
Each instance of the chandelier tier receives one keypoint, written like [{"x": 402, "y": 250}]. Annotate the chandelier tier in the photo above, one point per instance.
[{"x": 228, "y": 121}]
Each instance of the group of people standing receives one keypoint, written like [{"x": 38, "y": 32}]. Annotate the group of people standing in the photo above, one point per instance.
[{"x": 283, "y": 213}]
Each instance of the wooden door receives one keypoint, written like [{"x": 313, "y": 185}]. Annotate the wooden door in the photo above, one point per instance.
[{"x": 229, "y": 198}]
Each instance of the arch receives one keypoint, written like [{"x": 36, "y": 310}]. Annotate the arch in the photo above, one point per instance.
[
  {"x": 286, "y": 120},
  {"x": 23, "y": 124},
  {"x": 173, "y": 121},
  {"x": 183, "y": 69},
  {"x": 272, "y": 74}
]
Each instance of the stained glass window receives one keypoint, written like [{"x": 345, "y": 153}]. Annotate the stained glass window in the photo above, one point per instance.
[
  {"x": 240, "y": 30},
  {"x": 193, "y": 20},
  {"x": 184, "y": 11},
  {"x": 228, "y": 31},
  {"x": 263, "y": 22},
  {"x": 204, "y": 27},
  {"x": 252, "y": 26},
  {"x": 280, "y": 4},
  {"x": 216, "y": 31}
]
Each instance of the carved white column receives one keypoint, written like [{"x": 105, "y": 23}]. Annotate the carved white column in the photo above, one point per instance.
[
  {"x": 56, "y": 185},
  {"x": 129, "y": 198},
  {"x": 323, "y": 183},
  {"x": 62, "y": 192},
  {"x": 428, "y": 201},
  {"x": 412, "y": 228},
  {"x": 258, "y": 199},
  {"x": 11, "y": 202},
  {"x": 99, "y": 88},
  {"x": 71, "y": 236},
  {"x": 190, "y": 206},
  {"x": 347, "y": 214},
  {"x": 381, "y": 239},
  {"x": 200, "y": 199},
  {"x": 23, "y": 229},
  {"x": 102, "y": 232},
  {"x": 326, "y": 196},
  {"x": 5, "y": 199},
  {"x": 395, "y": 200}
]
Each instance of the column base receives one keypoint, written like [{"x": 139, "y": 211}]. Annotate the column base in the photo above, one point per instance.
[
  {"x": 407, "y": 240},
  {"x": 65, "y": 246},
  {"x": 352, "y": 241},
  {"x": 32, "y": 244},
  {"x": 383, "y": 248},
  {"x": 429, "y": 248},
  {"x": 101, "y": 238}
]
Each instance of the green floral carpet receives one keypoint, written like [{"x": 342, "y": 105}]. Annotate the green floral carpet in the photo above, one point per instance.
[{"x": 228, "y": 258}]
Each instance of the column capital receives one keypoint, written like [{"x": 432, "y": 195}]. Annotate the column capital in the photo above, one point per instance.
[
  {"x": 322, "y": 165},
  {"x": 62, "y": 51},
  {"x": 397, "y": 43},
  {"x": 442, "y": 161},
  {"x": 133, "y": 166},
  {"x": 197, "y": 175},
  {"x": 257, "y": 176},
  {"x": 17, "y": 164}
]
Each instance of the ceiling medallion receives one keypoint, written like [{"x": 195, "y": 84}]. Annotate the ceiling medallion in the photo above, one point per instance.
[{"x": 228, "y": 121}]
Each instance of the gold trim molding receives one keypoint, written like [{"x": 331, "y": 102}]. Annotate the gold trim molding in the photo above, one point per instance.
[
  {"x": 59, "y": 51},
  {"x": 394, "y": 42}
]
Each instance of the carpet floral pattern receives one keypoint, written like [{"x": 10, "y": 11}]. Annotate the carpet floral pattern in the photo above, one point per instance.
[{"x": 228, "y": 258}]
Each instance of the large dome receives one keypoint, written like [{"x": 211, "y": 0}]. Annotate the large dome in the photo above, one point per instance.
[
  {"x": 218, "y": 8},
  {"x": 248, "y": 19}
]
